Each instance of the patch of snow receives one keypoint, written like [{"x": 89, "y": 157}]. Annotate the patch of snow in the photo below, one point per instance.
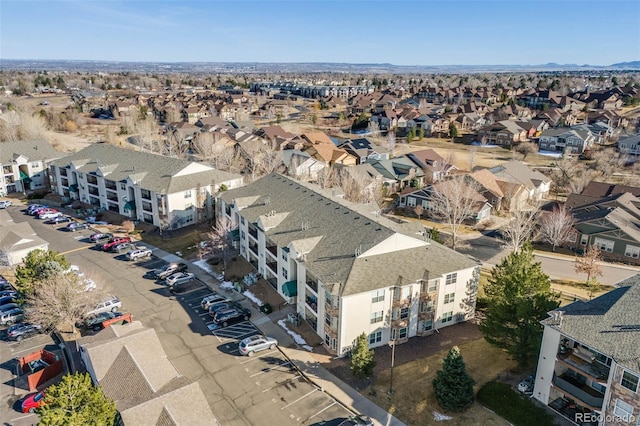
[
  {"x": 202, "y": 264},
  {"x": 554, "y": 154},
  {"x": 296, "y": 337},
  {"x": 438, "y": 417},
  {"x": 226, "y": 285},
  {"x": 484, "y": 146},
  {"x": 253, "y": 298}
]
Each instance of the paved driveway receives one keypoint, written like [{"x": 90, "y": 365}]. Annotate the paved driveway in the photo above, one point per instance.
[{"x": 265, "y": 389}]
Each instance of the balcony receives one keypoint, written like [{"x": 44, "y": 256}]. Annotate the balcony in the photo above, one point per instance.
[
  {"x": 112, "y": 196},
  {"x": 253, "y": 232},
  {"x": 63, "y": 172},
  {"x": 574, "y": 388},
  {"x": 254, "y": 248},
  {"x": 109, "y": 184},
  {"x": 568, "y": 409},
  {"x": 594, "y": 370},
  {"x": 92, "y": 180},
  {"x": 94, "y": 191},
  {"x": 146, "y": 206},
  {"x": 273, "y": 266},
  {"x": 7, "y": 170},
  {"x": 313, "y": 285},
  {"x": 145, "y": 194},
  {"x": 273, "y": 249},
  {"x": 312, "y": 303}
]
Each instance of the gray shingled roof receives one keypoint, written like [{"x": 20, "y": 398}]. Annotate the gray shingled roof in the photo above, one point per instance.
[
  {"x": 34, "y": 150},
  {"x": 342, "y": 229},
  {"x": 609, "y": 324},
  {"x": 156, "y": 172}
]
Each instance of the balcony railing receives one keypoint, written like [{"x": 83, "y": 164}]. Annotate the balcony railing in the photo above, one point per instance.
[
  {"x": 594, "y": 369},
  {"x": 109, "y": 184},
  {"x": 313, "y": 285},
  {"x": 147, "y": 206},
  {"x": 273, "y": 266},
  {"x": 580, "y": 391},
  {"x": 253, "y": 232},
  {"x": 312, "y": 303},
  {"x": 253, "y": 248},
  {"x": 63, "y": 172},
  {"x": 94, "y": 191},
  {"x": 144, "y": 194},
  {"x": 273, "y": 250}
]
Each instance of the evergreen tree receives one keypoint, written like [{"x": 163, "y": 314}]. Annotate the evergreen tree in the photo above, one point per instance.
[
  {"x": 452, "y": 385},
  {"x": 362, "y": 362},
  {"x": 38, "y": 265},
  {"x": 518, "y": 297},
  {"x": 75, "y": 401}
]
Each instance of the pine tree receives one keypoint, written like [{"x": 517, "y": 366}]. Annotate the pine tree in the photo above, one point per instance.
[
  {"x": 75, "y": 401},
  {"x": 362, "y": 362},
  {"x": 518, "y": 297},
  {"x": 452, "y": 385}
]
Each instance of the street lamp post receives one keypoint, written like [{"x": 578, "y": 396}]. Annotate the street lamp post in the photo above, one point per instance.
[{"x": 392, "y": 343}]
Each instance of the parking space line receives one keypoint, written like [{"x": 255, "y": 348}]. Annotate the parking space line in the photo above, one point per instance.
[
  {"x": 282, "y": 383},
  {"x": 324, "y": 409},
  {"x": 202, "y": 314},
  {"x": 194, "y": 298},
  {"x": 28, "y": 349},
  {"x": 266, "y": 370},
  {"x": 20, "y": 418},
  {"x": 299, "y": 399},
  {"x": 258, "y": 357},
  {"x": 64, "y": 253}
]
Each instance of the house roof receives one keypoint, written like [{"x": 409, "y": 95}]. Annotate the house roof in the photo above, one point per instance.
[
  {"x": 488, "y": 180},
  {"x": 608, "y": 324},
  {"x": 33, "y": 150},
  {"x": 18, "y": 236},
  {"x": 618, "y": 218},
  {"x": 517, "y": 171},
  {"x": 162, "y": 174},
  {"x": 339, "y": 229},
  {"x": 603, "y": 189}
]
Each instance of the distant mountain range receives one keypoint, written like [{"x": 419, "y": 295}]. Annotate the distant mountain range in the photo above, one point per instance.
[{"x": 302, "y": 67}]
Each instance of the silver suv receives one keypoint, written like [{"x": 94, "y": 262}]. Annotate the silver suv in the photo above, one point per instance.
[
  {"x": 109, "y": 304},
  {"x": 11, "y": 316}
]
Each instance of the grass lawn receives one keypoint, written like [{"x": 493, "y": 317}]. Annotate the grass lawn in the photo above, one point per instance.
[
  {"x": 413, "y": 400},
  {"x": 519, "y": 410},
  {"x": 187, "y": 244}
]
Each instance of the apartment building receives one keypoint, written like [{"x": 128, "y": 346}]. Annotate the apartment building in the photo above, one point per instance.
[
  {"x": 347, "y": 269},
  {"x": 24, "y": 165},
  {"x": 164, "y": 191},
  {"x": 589, "y": 364}
]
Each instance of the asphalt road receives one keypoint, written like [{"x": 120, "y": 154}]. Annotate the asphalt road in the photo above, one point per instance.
[{"x": 264, "y": 389}]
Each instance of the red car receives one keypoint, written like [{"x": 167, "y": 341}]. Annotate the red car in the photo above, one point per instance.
[
  {"x": 33, "y": 401},
  {"x": 115, "y": 241}
]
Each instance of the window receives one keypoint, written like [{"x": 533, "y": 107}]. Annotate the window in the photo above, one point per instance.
[
  {"x": 584, "y": 239},
  {"x": 630, "y": 381},
  {"x": 375, "y": 337},
  {"x": 377, "y": 296},
  {"x": 285, "y": 274},
  {"x": 452, "y": 278},
  {"x": 285, "y": 256},
  {"x": 448, "y": 298},
  {"x": 425, "y": 204},
  {"x": 433, "y": 285},
  {"x": 327, "y": 319},
  {"x": 430, "y": 306},
  {"x": 327, "y": 339},
  {"x": 404, "y": 313},
  {"x": 403, "y": 333},
  {"x": 187, "y": 194},
  {"x": 393, "y": 334},
  {"x": 328, "y": 298},
  {"x": 377, "y": 317},
  {"x": 428, "y": 325},
  {"x": 632, "y": 251},
  {"x": 604, "y": 245},
  {"x": 623, "y": 410},
  {"x": 423, "y": 286},
  {"x": 411, "y": 202},
  {"x": 447, "y": 316},
  {"x": 243, "y": 236},
  {"x": 242, "y": 219}
]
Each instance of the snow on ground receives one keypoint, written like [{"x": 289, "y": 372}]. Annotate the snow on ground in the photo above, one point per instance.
[
  {"x": 202, "y": 264},
  {"x": 226, "y": 285},
  {"x": 484, "y": 146},
  {"x": 296, "y": 337},
  {"x": 440, "y": 417},
  {"x": 253, "y": 298},
  {"x": 554, "y": 154}
]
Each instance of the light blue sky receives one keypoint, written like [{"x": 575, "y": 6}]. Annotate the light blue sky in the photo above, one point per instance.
[{"x": 419, "y": 32}]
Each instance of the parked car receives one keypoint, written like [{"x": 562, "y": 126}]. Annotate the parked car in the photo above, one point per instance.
[
  {"x": 6, "y": 203},
  {"x": 58, "y": 219},
  {"x": 169, "y": 269},
  {"x": 34, "y": 207},
  {"x": 76, "y": 226},
  {"x": 179, "y": 278},
  {"x": 22, "y": 330},
  {"x": 32, "y": 402},
  {"x": 9, "y": 306},
  {"x": 7, "y": 299},
  {"x": 11, "y": 317},
  {"x": 357, "y": 421},
  {"x": 100, "y": 236},
  {"x": 526, "y": 385},
  {"x": 226, "y": 317},
  {"x": 221, "y": 306},
  {"x": 94, "y": 322},
  {"x": 110, "y": 303},
  {"x": 139, "y": 253},
  {"x": 210, "y": 299},
  {"x": 8, "y": 293},
  {"x": 36, "y": 211},
  {"x": 253, "y": 344},
  {"x": 119, "y": 248},
  {"x": 49, "y": 214},
  {"x": 114, "y": 242}
]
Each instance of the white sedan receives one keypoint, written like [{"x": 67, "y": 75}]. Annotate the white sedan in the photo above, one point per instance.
[
  {"x": 139, "y": 253},
  {"x": 180, "y": 278},
  {"x": 5, "y": 204}
]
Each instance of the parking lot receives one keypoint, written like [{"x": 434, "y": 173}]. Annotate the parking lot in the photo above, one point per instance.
[{"x": 263, "y": 389}]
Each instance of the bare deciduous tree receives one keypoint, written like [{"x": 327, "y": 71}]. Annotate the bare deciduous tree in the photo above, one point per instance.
[
  {"x": 230, "y": 160},
  {"x": 205, "y": 145},
  {"x": 520, "y": 228},
  {"x": 261, "y": 158},
  {"x": 472, "y": 157},
  {"x": 60, "y": 301},
  {"x": 556, "y": 227},
  {"x": 589, "y": 263},
  {"x": 327, "y": 177},
  {"x": 526, "y": 148},
  {"x": 220, "y": 242},
  {"x": 455, "y": 201},
  {"x": 419, "y": 211}
]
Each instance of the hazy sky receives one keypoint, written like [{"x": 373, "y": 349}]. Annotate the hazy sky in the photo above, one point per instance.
[{"x": 420, "y": 32}]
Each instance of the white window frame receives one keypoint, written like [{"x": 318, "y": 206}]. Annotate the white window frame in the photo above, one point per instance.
[
  {"x": 584, "y": 239},
  {"x": 632, "y": 251},
  {"x": 405, "y": 331},
  {"x": 447, "y": 317},
  {"x": 604, "y": 245},
  {"x": 377, "y": 296},
  {"x": 404, "y": 312},
  {"x": 621, "y": 410},
  {"x": 451, "y": 278},
  {"x": 377, "y": 317},
  {"x": 411, "y": 201},
  {"x": 449, "y": 298},
  {"x": 630, "y": 374},
  {"x": 428, "y": 325},
  {"x": 285, "y": 273},
  {"x": 375, "y": 337}
]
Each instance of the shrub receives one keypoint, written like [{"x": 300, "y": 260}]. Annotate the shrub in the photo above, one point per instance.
[
  {"x": 266, "y": 308},
  {"x": 520, "y": 411},
  {"x": 128, "y": 226}
]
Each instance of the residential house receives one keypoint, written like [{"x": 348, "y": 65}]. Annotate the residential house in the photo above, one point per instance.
[
  {"x": 156, "y": 189},
  {"x": 301, "y": 165},
  {"x": 25, "y": 165},
  {"x": 589, "y": 363},
  {"x": 347, "y": 270},
  {"x": 503, "y": 133},
  {"x": 431, "y": 163},
  {"x": 597, "y": 189},
  {"x": 574, "y": 140},
  {"x": 130, "y": 365},
  {"x": 363, "y": 150},
  {"x": 276, "y": 135},
  {"x": 402, "y": 170},
  {"x": 322, "y": 148},
  {"x": 488, "y": 187},
  {"x": 17, "y": 239},
  {"x": 537, "y": 185},
  {"x": 629, "y": 145}
]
